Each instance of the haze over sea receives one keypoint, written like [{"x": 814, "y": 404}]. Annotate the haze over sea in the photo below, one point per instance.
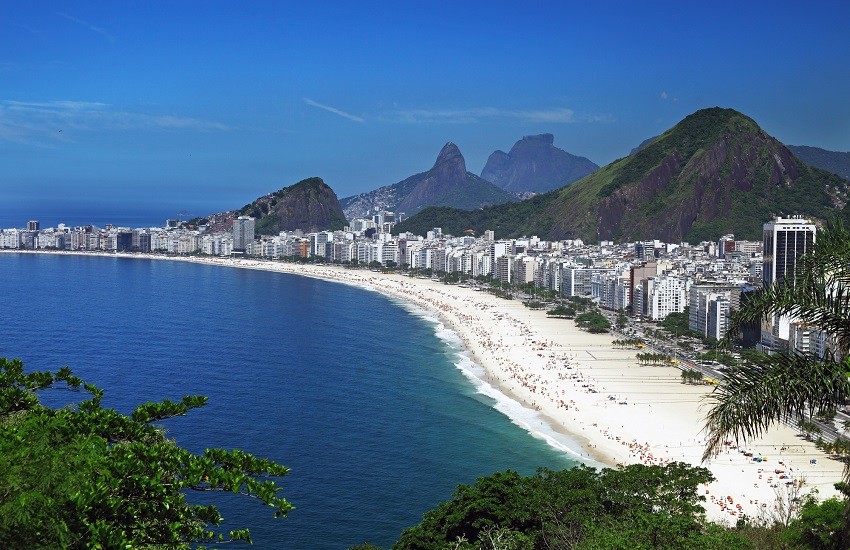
[
  {"x": 51, "y": 214},
  {"x": 361, "y": 397}
]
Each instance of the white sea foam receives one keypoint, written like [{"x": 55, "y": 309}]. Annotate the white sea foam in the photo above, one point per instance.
[{"x": 526, "y": 418}]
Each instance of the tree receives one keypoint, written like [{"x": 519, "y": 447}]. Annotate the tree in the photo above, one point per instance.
[
  {"x": 562, "y": 311},
  {"x": 770, "y": 388},
  {"x": 677, "y": 324},
  {"x": 635, "y": 506},
  {"x": 592, "y": 321},
  {"x": 819, "y": 525},
  {"x": 787, "y": 385},
  {"x": 622, "y": 321},
  {"x": 690, "y": 376},
  {"x": 88, "y": 476},
  {"x": 809, "y": 428}
]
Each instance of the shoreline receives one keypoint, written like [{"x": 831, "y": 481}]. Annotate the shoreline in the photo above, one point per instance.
[
  {"x": 561, "y": 440},
  {"x": 593, "y": 395}
]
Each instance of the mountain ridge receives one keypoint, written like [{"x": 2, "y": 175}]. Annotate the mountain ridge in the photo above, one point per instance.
[
  {"x": 714, "y": 172},
  {"x": 836, "y": 162},
  {"x": 447, "y": 183}
]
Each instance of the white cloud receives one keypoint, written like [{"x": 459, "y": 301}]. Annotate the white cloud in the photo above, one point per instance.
[
  {"x": 333, "y": 110},
  {"x": 557, "y": 115},
  {"x": 664, "y": 96},
  {"x": 45, "y": 122},
  {"x": 89, "y": 26}
]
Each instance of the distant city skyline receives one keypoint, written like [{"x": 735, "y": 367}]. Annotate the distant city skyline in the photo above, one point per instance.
[{"x": 160, "y": 108}]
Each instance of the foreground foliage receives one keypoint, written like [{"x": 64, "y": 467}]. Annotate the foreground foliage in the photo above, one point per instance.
[
  {"x": 90, "y": 477},
  {"x": 635, "y": 506},
  {"x": 787, "y": 385}
]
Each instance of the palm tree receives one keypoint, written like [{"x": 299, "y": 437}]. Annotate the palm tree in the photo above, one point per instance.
[{"x": 790, "y": 386}]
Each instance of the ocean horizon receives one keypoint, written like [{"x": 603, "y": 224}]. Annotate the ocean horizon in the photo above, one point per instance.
[
  {"x": 375, "y": 405},
  {"x": 50, "y": 214}
]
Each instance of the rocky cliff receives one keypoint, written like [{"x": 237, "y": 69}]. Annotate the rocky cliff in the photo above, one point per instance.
[
  {"x": 535, "y": 165},
  {"x": 447, "y": 183}
]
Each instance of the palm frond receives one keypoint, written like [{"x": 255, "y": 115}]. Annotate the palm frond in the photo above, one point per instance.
[
  {"x": 818, "y": 296},
  {"x": 778, "y": 387}
]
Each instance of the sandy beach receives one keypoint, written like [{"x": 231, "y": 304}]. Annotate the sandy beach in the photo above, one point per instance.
[{"x": 616, "y": 410}]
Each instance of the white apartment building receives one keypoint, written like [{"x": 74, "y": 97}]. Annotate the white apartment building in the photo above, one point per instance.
[
  {"x": 622, "y": 293},
  {"x": 664, "y": 295},
  {"x": 576, "y": 280},
  {"x": 387, "y": 252},
  {"x": 499, "y": 249},
  {"x": 10, "y": 238},
  {"x": 709, "y": 306}
]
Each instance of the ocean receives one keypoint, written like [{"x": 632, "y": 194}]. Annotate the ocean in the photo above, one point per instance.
[{"x": 374, "y": 406}]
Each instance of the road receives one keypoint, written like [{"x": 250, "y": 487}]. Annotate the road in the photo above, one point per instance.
[{"x": 828, "y": 430}]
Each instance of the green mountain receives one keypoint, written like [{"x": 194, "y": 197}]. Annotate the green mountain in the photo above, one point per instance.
[
  {"x": 447, "y": 183},
  {"x": 309, "y": 205},
  {"x": 715, "y": 172}
]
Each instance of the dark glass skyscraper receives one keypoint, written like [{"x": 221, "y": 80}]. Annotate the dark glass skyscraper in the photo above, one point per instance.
[{"x": 785, "y": 241}]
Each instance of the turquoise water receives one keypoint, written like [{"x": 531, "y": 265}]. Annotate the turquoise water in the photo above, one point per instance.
[{"x": 362, "y": 398}]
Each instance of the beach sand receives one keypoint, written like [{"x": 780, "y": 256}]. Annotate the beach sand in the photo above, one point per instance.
[{"x": 616, "y": 410}]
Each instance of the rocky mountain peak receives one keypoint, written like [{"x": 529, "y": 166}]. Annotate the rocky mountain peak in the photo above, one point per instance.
[
  {"x": 309, "y": 205},
  {"x": 542, "y": 139},
  {"x": 447, "y": 183},
  {"x": 535, "y": 165},
  {"x": 450, "y": 154}
]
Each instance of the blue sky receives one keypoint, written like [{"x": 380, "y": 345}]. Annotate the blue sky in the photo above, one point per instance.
[{"x": 203, "y": 106}]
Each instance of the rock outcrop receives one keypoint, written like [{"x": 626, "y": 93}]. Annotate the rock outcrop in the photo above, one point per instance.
[
  {"x": 535, "y": 165},
  {"x": 309, "y": 205},
  {"x": 447, "y": 183}
]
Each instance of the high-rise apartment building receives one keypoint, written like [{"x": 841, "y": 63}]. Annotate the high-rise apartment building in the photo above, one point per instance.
[
  {"x": 645, "y": 251},
  {"x": 705, "y": 298},
  {"x": 785, "y": 241},
  {"x": 243, "y": 233}
]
